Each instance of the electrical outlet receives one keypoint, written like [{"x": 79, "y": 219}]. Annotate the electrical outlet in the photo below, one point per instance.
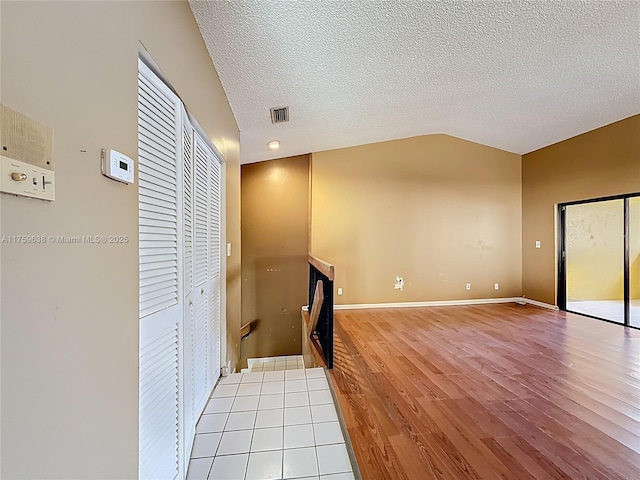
[
  {"x": 339, "y": 290},
  {"x": 537, "y": 243},
  {"x": 399, "y": 285},
  {"x": 468, "y": 286},
  {"x": 496, "y": 286}
]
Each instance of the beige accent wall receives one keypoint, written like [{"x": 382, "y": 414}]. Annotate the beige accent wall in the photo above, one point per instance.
[
  {"x": 599, "y": 163},
  {"x": 70, "y": 312},
  {"x": 436, "y": 210},
  {"x": 275, "y": 244}
]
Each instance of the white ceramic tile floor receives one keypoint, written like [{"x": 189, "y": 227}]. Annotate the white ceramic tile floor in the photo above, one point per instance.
[
  {"x": 333, "y": 459},
  {"x": 219, "y": 405},
  {"x": 213, "y": 422},
  {"x": 298, "y": 399},
  {"x": 265, "y": 466},
  {"x": 247, "y": 389},
  {"x": 205, "y": 443},
  {"x": 271, "y": 388},
  {"x": 252, "y": 377},
  {"x": 338, "y": 476},
  {"x": 274, "y": 376},
  {"x": 300, "y": 462},
  {"x": 233, "y": 442},
  {"x": 229, "y": 466},
  {"x": 241, "y": 421},
  {"x": 271, "y": 435},
  {"x": 267, "y": 439},
  {"x": 294, "y": 375},
  {"x": 243, "y": 404},
  {"x": 199, "y": 468},
  {"x": 271, "y": 364},
  {"x": 292, "y": 386},
  {"x": 299, "y": 436},
  {"x": 319, "y": 397},
  {"x": 324, "y": 413},
  {"x": 297, "y": 415},
  {"x": 270, "y": 418},
  {"x": 233, "y": 378},
  {"x": 327, "y": 433},
  {"x": 269, "y": 402},
  {"x": 225, "y": 391}
]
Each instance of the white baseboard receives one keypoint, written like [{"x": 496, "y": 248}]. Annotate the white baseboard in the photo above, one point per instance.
[
  {"x": 440, "y": 303},
  {"x": 540, "y": 304}
]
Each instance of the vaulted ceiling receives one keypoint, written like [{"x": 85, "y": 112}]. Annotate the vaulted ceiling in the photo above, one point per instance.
[{"x": 516, "y": 75}]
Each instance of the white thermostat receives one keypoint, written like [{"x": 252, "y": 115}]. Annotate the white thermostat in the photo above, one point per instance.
[{"x": 117, "y": 166}]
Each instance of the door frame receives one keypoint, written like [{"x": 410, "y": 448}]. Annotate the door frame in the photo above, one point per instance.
[{"x": 561, "y": 255}]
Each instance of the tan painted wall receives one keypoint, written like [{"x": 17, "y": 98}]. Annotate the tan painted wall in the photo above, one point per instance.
[
  {"x": 599, "y": 163},
  {"x": 70, "y": 312},
  {"x": 595, "y": 251},
  {"x": 439, "y": 211},
  {"x": 275, "y": 243}
]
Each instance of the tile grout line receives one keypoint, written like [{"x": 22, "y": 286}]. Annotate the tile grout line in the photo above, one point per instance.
[{"x": 313, "y": 424}]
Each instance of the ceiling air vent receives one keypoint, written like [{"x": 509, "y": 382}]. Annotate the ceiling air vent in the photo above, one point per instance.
[{"x": 280, "y": 114}]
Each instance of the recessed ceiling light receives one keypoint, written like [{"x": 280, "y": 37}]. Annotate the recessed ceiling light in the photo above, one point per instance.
[{"x": 274, "y": 144}]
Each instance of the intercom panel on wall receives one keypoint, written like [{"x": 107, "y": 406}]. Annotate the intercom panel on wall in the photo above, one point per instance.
[{"x": 26, "y": 156}]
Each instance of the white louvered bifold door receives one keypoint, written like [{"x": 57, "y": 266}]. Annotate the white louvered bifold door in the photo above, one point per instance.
[
  {"x": 161, "y": 304},
  {"x": 215, "y": 178},
  {"x": 201, "y": 275},
  {"x": 190, "y": 416}
]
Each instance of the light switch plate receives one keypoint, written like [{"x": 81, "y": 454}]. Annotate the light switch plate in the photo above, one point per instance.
[
  {"x": 38, "y": 182},
  {"x": 228, "y": 249},
  {"x": 537, "y": 243}
]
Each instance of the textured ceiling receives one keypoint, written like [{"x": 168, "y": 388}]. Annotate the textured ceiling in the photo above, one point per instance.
[{"x": 513, "y": 75}]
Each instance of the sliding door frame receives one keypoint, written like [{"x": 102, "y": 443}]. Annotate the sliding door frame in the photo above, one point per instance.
[{"x": 562, "y": 259}]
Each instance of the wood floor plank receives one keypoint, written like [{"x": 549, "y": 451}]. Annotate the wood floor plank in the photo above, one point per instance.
[{"x": 488, "y": 391}]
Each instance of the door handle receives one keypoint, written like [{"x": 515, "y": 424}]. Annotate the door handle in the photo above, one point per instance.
[
  {"x": 190, "y": 303},
  {"x": 201, "y": 291}
]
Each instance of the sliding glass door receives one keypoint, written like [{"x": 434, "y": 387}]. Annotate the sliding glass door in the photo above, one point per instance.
[
  {"x": 600, "y": 259},
  {"x": 634, "y": 261}
]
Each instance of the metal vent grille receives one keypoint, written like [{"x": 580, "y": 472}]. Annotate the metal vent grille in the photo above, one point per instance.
[
  {"x": 279, "y": 114},
  {"x": 25, "y": 139}
]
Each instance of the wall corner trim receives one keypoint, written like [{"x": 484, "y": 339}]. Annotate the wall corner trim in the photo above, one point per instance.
[{"x": 540, "y": 304}]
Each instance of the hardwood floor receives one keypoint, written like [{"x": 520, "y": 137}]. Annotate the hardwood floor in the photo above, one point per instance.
[{"x": 488, "y": 391}]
